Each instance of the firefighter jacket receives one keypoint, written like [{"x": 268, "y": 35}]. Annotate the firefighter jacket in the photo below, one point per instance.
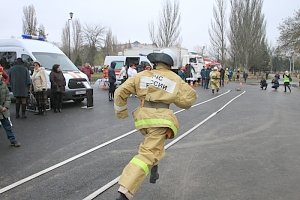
[
  {"x": 161, "y": 86},
  {"x": 214, "y": 76}
]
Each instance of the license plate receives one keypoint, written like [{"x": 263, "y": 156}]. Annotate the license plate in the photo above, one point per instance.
[{"x": 80, "y": 92}]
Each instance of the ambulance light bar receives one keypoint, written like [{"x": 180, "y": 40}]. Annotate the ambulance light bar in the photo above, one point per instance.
[{"x": 33, "y": 37}]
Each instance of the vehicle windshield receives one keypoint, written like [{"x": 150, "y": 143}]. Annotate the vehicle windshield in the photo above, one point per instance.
[
  {"x": 193, "y": 60},
  {"x": 119, "y": 65},
  {"x": 200, "y": 60},
  {"x": 49, "y": 59}
]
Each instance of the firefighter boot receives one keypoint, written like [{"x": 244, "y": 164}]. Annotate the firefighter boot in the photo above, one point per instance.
[
  {"x": 122, "y": 197},
  {"x": 154, "y": 174}
]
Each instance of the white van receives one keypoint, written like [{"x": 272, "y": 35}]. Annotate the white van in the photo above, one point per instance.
[
  {"x": 196, "y": 61},
  {"x": 47, "y": 54},
  {"x": 126, "y": 60}
]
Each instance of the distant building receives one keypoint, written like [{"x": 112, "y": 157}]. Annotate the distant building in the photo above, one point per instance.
[{"x": 137, "y": 48}]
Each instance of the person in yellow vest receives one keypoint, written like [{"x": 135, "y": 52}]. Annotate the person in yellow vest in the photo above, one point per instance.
[
  {"x": 286, "y": 80},
  {"x": 215, "y": 80},
  {"x": 156, "y": 90}
]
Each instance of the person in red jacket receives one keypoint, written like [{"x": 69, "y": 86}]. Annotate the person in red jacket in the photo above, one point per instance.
[
  {"x": 5, "y": 77},
  {"x": 87, "y": 69}
]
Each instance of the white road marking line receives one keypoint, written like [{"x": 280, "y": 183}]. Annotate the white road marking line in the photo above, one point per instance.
[
  {"x": 33, "y": 176},
  {"x": 115, "y": 181}
]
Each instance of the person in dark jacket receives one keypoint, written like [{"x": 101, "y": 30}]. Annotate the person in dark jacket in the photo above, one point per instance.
[
  {"x": 58, "y": 83},
  {"x": 189, "y": 71},
  {"x": 263, "y": 84},
  {"x": 181, "y": 73},
  {"x": 202, "y": 76},
  {"x": 20, "y": 83},
  {"x": 206, "y": 76},
  {"x": 222, "y": 76},
  {"x": 4, "y": 110},
  {"x": 275, "y": 81},
  {"x": 112, "y": 80}
]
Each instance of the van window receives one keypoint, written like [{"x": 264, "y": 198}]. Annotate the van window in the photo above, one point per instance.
[
  {"x": 8, "y": 59},
  {"x": 143, "y": 63},
  {"x": 193, "y": 60},
  {"x": 49, "y": 59},
  {"x": 132, "y": 60},
  {"x": 27, "y": 60},
  {"x": 119, "y": 65}
]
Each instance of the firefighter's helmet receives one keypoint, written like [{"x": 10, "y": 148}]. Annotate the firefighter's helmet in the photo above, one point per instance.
[{"x": 165, "y": 56}]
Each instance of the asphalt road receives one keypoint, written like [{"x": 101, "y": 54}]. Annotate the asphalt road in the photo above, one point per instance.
[{"x": 247, "y": 151}]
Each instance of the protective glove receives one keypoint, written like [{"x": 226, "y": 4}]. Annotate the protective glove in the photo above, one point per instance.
[{"x": 122, "y": 114}]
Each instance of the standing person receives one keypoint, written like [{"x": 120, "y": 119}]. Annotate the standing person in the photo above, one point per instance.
[
  {"x": 286, "y": 80},
  {"x": 39, "y": 84},
  {"x": 87, "y": 69},
  {"x": 222, "y": 76},
  {"x": 131, "y": 71},
  {"x": 112, "y": 81},
  {"x": 238, "y": 75},
  {"x": 5, "y": 76},
  {"x": 123, "y": 74},
  {"x": 245, "y": 76},
  {"x": 181, "y": 73},
  {"x": 156, "y": 89},
  {"x": 58, "y": 83},
  {"x": 20, "y": 83},
  {"x": 202, "y": 76},
  {"x": 4, "y": 110},
  {"x": 215, "y": 80},
  {"x": 105, "y": 77},
  {"x": 226, "y": 76},
  {"x": 206, "y": 77},
  {"x": 189, "y": 73},
  {"x": 230, "y": 75}
]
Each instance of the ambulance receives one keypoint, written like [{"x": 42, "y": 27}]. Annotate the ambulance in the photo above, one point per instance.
[
  {"x": 126, "y": 60},
  {"x": 31, "y": 49}
]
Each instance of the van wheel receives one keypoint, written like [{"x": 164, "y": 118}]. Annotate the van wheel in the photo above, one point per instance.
[{"x": 78, "y": 100}]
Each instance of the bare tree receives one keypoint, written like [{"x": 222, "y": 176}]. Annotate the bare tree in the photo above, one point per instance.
[
  {"x": 93, "y": 37},
  {"x": 111, "y": 46},
  {"x": 247, "y": 33},
  {"x": 168, "y": 32},
  {"x": 29, "y": 20},
  {"x": 42, "y": 31},
  {"x": 289, "y": 38},
  {"x": 65, "y": 38},
  {"x": 200, "y": 49},
  {"x": 217, "y": 32},
  {"x": 77, "y": 41}
]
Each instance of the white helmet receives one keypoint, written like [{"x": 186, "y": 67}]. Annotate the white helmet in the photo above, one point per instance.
[
  {"x": 165, "y": 56},
  {"x": 215, "y": 68}
]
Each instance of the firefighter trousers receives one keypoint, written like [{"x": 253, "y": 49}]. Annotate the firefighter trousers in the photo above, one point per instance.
[{"x": 150, "y": 152}]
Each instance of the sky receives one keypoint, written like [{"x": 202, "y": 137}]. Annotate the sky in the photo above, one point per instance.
[{"x": 129, "y": 19}]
